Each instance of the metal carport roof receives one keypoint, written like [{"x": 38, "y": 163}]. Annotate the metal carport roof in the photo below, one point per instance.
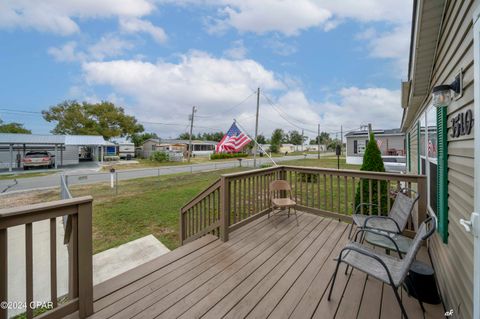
[{"x": 11, "y": 138}]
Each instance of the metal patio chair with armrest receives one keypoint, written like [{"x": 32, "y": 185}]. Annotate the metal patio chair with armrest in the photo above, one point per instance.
[
  {"x": 397, "y": 218},
  {"x": 388, "y": 269},
  {"x": 281, "y": 197}
]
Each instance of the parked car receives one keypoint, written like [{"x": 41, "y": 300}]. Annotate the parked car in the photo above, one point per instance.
[
  {"x": 38, "y": 159},
  {"x": 394, "y": 164}
]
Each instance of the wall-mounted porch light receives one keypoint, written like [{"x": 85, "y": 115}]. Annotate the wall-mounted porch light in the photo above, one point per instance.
[{"x": 442, "y": 94}]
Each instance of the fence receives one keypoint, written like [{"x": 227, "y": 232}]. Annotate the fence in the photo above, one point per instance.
[
  {"x": 244, "y": 197},
  {"x": 80, "y": 292}
]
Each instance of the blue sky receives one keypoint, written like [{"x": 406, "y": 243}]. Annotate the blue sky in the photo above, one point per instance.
[{"x": 316, "y": 61}]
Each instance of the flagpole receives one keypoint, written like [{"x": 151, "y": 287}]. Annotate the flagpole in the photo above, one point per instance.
[{"x": 254, "y": 140}]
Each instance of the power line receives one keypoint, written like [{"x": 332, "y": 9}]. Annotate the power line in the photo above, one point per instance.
[{"x": 229, "y": 109}]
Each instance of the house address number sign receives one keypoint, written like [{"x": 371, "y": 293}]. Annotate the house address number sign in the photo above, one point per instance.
[{"x": 462, "y": 124}]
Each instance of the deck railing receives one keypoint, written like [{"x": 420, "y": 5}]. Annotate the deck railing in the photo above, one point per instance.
[
  {"x": 79, "y": 212},
  {"x": 240, "y": 198}
]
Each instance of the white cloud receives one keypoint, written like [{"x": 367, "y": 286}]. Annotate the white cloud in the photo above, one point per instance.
[
  {"x": 165, "y": 92},
  {"x": 135, "y": 25},
  {"x": 356, "y": 107},
  {"x": 106, "y": 47},
  {"x": 393, "y": 45},
  {"x": 67, "y": 53},
  {"x": 237, "y": 51},
  {"x": 58, "y": 16},
  {"x": 280, "y": 47},
  {"x": 290, "y": 17}
]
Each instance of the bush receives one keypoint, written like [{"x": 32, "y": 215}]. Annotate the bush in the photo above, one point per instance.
[
  {"x": 160, "y": 157},
  {"x": 227, "y": 155},
  {"x": 307, "y": 178},
  {"x": 373, "y": 162}
]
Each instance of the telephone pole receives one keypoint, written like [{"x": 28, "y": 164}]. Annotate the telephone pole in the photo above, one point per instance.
[
  {"x": 302, "y": 139},
  {"x": 318, "y": 140},
  {"x": 189, "y": 153},
  {"x": 341, "y": 138},
  {"x": 256, "y": 130},
  {"x": 369, "y": 129}
]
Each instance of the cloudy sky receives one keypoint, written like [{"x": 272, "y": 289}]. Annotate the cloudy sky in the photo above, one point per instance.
[{"x": 316, "y": 61}]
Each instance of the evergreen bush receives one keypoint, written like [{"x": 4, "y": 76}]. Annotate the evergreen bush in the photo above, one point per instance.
[
  {"x": 372, "y": 162},
  {"x": 160, "y": 157}
]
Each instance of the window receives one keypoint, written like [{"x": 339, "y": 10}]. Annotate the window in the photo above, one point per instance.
[
  {"x": 355, "y": 147},
  {"x": 430, "y": 141},
  {"x": 432, "y": 129}
]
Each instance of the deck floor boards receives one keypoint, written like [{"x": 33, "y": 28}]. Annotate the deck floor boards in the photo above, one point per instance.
[{"x": 270, "y": 268}]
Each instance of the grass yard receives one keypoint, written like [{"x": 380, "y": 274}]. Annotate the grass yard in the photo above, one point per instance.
[
  {"x": 142, "y": 207},
  {"x": 146, "y": 205}
]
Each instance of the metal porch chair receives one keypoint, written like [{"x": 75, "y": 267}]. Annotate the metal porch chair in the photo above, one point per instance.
[
  {"x": 396, "y": 220},
  {"x": 386, "y": 268}
]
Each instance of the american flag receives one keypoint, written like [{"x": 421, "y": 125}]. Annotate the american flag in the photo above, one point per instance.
[{"x": 233, "y": 141}]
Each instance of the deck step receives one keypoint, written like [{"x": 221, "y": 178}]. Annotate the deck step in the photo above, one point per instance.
[{"x": 107, "y": 287}]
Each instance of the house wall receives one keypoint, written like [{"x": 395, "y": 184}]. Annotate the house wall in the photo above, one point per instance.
[
  {"x": 393, "y": 141},
  {"x": 454, "y": 261}
]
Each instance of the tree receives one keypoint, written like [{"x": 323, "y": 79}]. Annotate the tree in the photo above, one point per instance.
[
  {"x": 185, "y": 136},
  {"x": 261, "y": 139},
  {"x": 215, "y": 136},
  {"x": 324, "y": 139},
  {"x": 276, "y": 141},
  {"x": 13, "y": 128},
  {"x": 295, "y": 138},
  {"x": 139, "y": 139},
  {"x": 373, "y": 162},
  {"x": 84, "y": 118}
]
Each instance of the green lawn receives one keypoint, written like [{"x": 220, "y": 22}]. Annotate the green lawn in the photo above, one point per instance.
[{"x": 151, "y": 205}]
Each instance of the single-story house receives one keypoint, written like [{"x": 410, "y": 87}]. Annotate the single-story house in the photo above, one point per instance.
[
  {"x": 68, "y": 149},
  {"x": 440, "y": 99},
  {"x": 390, "y": 142},
  {"x": 200, "y": 147}
]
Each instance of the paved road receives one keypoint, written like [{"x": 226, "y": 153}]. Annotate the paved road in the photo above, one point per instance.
[{"x": 87, "y": 177}]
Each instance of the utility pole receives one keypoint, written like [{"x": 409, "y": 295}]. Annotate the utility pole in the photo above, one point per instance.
[
  {"x": 302, "y": 139},
  {"x": 194, "y": 109},
  {"x": 341, "y": 138},
  {"x": 256, "y": 130},
  {"x": 369, "y": 129},
  {"x": 318, "y": 140}
]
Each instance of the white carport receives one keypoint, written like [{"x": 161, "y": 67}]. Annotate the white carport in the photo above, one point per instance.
[
  {"x": 66, "y": 145},
  {"x": 97, "y": 143},
  {"x": 10, "y": 140}
]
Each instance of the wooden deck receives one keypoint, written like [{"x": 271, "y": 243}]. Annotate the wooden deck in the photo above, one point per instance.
[{"x": 269, "y": 268}]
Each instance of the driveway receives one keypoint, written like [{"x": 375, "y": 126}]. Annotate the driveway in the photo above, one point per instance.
[{"x": 88, "y": 175}]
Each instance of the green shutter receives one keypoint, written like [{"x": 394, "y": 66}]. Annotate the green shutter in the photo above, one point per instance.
[
  {"x": 408, "y": 153},
  {"x": 418, "y": 147},
  {"x": 442, "y": 172}
]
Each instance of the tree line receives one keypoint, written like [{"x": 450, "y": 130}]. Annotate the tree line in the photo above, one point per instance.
[{"x": 108, "y": 120}]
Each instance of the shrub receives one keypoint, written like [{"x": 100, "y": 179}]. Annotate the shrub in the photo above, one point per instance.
[
  {"x": 373, "y": 162},
  {"x": 307, "y": 178},
  {"x": 227, "y": 155},
  {"x": 160, "y": 157}
]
